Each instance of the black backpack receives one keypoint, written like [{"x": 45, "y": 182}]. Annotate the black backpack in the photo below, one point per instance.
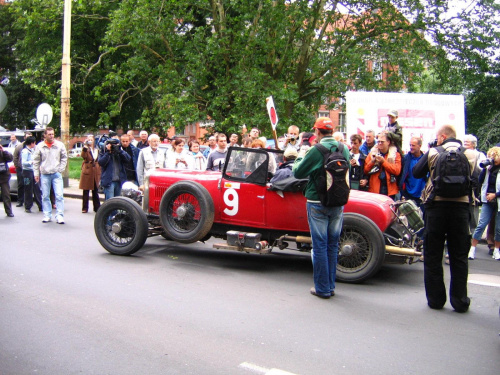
[
  {"x": 332, "y": 183},
  {"x": 452, "y": 177}
]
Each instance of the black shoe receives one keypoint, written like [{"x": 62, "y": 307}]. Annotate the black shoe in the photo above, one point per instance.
[
  {"x": 435, "y": 306},
  {"x": 10, "y": 215},
  {"x": 28, "y": 210},
  {"x": 490, "y": 249},
  {"x": 20, "y": 204},
  {"x": 313, "y": 292}
]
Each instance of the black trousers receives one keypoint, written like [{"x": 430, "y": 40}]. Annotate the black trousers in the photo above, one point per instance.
[
  {"x": 4, "y": 186},
  {"x": 447, "y": 221},
  {"x": 31, "y": 190},
  {"x": 95, "y": 199},
  {"x": 20, "y": 185}
]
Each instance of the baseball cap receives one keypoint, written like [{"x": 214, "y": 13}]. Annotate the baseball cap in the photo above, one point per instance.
[
  {"x": 393, "y": 113},
  {"x": 290, "y": 152},
  {"x": 323, "y": 123}
]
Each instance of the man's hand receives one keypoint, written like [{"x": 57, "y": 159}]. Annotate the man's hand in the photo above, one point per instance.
[
  {"x": 141, "y": 188},
  {"x": 379, "y": 159},
  {"x": 354, "y": 162},
  {"x": 37, "y": 179},
  {"x": 108, "y": 147},
  {"x": 490, "y": 197},
  {"x": 363, "y": 183}
]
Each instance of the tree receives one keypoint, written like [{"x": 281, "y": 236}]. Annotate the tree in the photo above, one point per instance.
[{"x": 170, "y": 62}]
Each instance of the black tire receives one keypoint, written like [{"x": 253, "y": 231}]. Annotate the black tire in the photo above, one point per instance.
[
  {"x": 186, "y": 212},
  {"x": 121, "y": 226},
  {"x": 361, "y": 249}
]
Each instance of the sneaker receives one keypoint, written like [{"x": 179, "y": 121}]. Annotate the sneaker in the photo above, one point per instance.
[
  {"x": 472, "y": 254},
  {"x": 60, "y": 220},
  {"x": 46, "y": 220},
  {"x": 496, "y": 254}
]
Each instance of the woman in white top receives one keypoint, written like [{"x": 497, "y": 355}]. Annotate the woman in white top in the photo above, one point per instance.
[
  {"x": 200, "y": 162},
  {"x": 178, "y": 157}
]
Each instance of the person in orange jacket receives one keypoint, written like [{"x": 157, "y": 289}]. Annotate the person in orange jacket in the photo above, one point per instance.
[{"x": 382, "y": 168}]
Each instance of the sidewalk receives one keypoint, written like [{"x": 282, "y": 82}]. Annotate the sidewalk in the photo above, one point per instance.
[{"x": 73, "y": 190}]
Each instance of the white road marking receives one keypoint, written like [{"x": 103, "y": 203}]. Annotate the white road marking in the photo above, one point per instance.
[
  {"x": 263, "y": 370},
  {"x": 486, "y": 280}
]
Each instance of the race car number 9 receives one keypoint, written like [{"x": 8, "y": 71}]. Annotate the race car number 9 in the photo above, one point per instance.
[{"x": 231, "y": 200}]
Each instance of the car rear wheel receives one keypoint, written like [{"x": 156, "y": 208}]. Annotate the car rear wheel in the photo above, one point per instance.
[
  {"x": 186, "y": 212},
  {"x": 121, "y": 226},
  {"x": 361, "y": 249}
]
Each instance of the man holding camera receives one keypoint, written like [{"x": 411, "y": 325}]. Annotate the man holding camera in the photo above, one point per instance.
[
  {"x": 292, "y": 138},
  {"x": 49, "y": 162},
  {"x": 112, "y": 161}
]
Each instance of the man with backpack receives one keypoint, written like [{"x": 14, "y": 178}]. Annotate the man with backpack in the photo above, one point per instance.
[
  {"x": 324, "y": 205},
  {"x": 447, "y": 197}
]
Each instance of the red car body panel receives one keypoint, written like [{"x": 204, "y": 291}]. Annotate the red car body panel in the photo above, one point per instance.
[{"x": 251, "y": 205}]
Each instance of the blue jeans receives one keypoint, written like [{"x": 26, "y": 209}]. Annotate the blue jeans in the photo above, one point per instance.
[
  {"x": 325, "y": 224},
  {"x": 113, "y": 190},
  {"x": 55, "y": 180},
  {"x": 487, "y": 212}
]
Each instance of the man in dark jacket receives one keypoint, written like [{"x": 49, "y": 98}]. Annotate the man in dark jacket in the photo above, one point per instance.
[
  {"x": 133, "y": 152},
  {"x": 19, "y": 170},
  {"x": 358, "y": 178},
  {"x": 113, "y": 174},
  {"x": 409, "y": 186},
  {"x": 445, "y": 218},
  {"x": 325, "y": 223},
  {"x": 5, "y": 157}
]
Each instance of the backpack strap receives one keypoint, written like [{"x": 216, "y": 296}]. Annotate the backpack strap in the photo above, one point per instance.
[{"x": 324, "y": 150}]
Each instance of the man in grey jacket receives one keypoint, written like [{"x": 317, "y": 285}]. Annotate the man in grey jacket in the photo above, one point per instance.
[{"x": 49, "y": 161}]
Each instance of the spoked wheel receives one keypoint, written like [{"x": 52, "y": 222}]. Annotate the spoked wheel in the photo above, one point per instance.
[
  {"x": 186, "y": 212},
  {"x": 121, "y": 226},
  {"x": 361, "y": 249}
]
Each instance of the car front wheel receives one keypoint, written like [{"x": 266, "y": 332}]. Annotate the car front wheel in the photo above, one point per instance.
[{"x": 121, "y": 226}]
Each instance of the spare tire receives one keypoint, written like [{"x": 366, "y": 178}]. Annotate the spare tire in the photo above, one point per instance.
[{"x": 186, "y": 212}]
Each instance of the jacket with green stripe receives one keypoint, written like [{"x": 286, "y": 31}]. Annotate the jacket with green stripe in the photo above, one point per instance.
[{"x": 312, "y": 163}]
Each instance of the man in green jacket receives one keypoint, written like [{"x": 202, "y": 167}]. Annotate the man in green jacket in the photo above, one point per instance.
[{"x": 325, "y": 223}]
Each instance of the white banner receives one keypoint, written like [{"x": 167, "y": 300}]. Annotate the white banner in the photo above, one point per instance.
[{"x": 419, "y": 114}]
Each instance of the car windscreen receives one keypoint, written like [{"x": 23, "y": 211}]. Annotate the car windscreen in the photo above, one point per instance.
[{"x": 250, "y": 164}]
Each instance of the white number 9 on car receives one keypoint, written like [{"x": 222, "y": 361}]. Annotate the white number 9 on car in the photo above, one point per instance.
[{"x": 231, "y": 200}]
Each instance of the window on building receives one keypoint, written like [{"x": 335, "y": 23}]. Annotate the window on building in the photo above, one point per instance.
[{"x": 342, "y": 122}]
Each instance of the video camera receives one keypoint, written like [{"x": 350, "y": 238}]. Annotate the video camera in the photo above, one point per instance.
[
  {"x": 115, "y": 145},
  {"x": 486, "y": 162}
]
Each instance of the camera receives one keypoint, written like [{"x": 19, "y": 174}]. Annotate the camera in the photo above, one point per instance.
[
  {"x": 434, "y": 143},
  {"x": 115, "y": 145},
  {"x": 291, "y": 137},
  {"x": 486, "y": 162}
]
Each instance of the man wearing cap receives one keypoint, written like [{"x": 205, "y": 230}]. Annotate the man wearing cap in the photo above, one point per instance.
[
  {"x": 285, "y": 169},
  {"x": 393, "y": 127},
  {"x": 325, "y": 223}
]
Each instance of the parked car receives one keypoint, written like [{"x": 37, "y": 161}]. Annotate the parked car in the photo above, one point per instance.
[
  {"x": 75, "y": 152},
  {"x": 239, "y": 206},
  {"x": 5, "y": 137}
]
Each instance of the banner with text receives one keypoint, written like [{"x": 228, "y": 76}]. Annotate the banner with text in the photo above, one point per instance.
[{"x": 419, "y": 114}]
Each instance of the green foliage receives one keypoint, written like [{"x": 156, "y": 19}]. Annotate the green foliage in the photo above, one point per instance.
[{"x": 157, "y": 63}]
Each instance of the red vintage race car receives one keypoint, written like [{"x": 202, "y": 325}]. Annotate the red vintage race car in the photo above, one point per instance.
[{"x": 240, "y": 206}]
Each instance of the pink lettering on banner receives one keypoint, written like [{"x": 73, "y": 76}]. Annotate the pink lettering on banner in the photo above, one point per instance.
[{"x": 410, "y": 118}]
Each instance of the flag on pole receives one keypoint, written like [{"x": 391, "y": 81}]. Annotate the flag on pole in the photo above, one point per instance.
[{"x": 273, "y": 116}]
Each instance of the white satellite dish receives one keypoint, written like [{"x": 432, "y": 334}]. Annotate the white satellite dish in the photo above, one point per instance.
[{"x": 44, "y": 114}]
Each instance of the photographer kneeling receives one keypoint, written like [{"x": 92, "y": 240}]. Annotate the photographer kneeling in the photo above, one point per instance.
[
  {"x": 112, "y": 161},
  {"x": 490, "y": 195}
]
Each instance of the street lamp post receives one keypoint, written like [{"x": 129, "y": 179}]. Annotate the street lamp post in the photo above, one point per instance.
[{"x": 65, "y": 82}]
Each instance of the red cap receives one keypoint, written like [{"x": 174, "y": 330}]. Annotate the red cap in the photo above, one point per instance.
[{"x": 323, "y": 123}]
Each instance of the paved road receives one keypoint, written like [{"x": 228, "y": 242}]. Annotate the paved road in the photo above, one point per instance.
[{"x": 69, "y": 307}]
